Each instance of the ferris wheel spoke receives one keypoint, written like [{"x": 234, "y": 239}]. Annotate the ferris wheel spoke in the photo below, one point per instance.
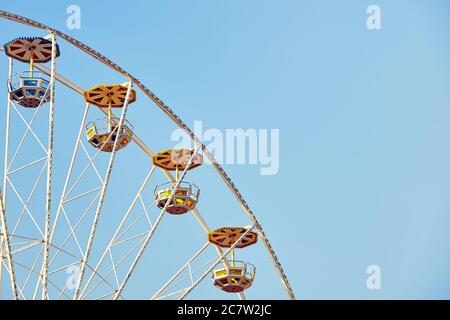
[
  {"x": 65, "y": 194},
  {"x": 24, "y": 136},
  {"x": 162, "y": 293},
  {"x": 1, "y": 258},
  {"x": 38, "y": 275},
  {"x": 83, "y": 194},
  {"x": 65, "y": 200},
  {"x": 189, "y": 276},
  {"x": 91, "y": 164},
  {"x": 105, "y": 296},
  {"x": 62, "y": 292},
  {"x": 103, "y": 191},
  {"x": 186, "y": 265},
  {"x": 19, "y": 292},
  {"x": 5, "y": 244},
  {"x": 91, "y": 161},
  {"x": 122, "y": 229},
  {"x": 117, "y": 241},
  {"x": 29, "y": 198},
  {"x": 157, "y": 222},
  {"x": 117, "y": 264},
  {"x": 25, "y": 206},
  {"x": 139, "y": 235},
  {"x": 26, "y": 247},
  {"x": 33, "y": 267},
  {"x": 70, "y": 170},
  {"x": 65, "y": 268},
  {"x": 72, "y": 231},
  {"x": 74, "y": 227},
  {"x": 60, "y": 250},
  {"x": 29, "y": 128},
  {"x": 116, "y": 277},
  {"x": 118, "y": 238},
  {"x": 26, "y": 94},
  {"x": 177, "y": 293},
  {"x": 102, "y": 278},
  {"x": 145, "y": 213},
  {"x": 28, "y": 165}
]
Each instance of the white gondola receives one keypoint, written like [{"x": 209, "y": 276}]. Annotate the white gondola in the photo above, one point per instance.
[{"x": 184, "y": 198}]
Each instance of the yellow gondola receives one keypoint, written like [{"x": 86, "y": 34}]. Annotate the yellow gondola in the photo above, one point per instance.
[
  {"x": 234, "y": 276},
  {"x": 103, "y": 133},
  {"x": 185, "y": 197}
]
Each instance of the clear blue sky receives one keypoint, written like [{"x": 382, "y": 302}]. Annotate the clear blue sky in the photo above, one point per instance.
[{"x": 363, "y": 119}]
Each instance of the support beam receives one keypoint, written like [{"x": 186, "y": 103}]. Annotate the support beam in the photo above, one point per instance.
[
  {"x": 150, "y": 234},
  {"x": 119, "y": 228},
  {"x": 69, "y": 173},
  {"x": 7, "y": 245},
  {"x": 187, "y": 264},
  {"x": 103, "y": 193},
  {"x": 48, "y": 196}
]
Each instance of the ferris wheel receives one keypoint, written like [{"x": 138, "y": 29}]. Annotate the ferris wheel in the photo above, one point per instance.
[{"x": 46, "y": 232}]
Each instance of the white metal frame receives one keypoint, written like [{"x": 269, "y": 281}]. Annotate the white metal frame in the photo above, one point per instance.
[
  {"x": 103, "y": 191},
  {"x": 181, "y": 124},
  {"x": 47, "y": 159},
  {"x": 48, "y": 196}
]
